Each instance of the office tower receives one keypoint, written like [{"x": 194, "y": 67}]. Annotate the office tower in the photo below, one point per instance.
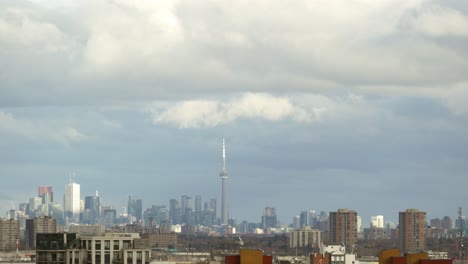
[
  {"x": 224, "y": 176},
  {"x": 312, "y": 218},
  {"x": 304, "y": 219},
  {"x": 412, "y": 230},
  {"x": 46, "y": 190},
  {"x": 343, "y": 228},
  {"x": 296, "y": 222},
  {"x": 269, "y": 218},
  {"x": 135, "y": 208},
  {"x": 109, "y": 217},
  {"x": 198, "y": 203},
  {"x": 186, "y": 209},
  {"x": 9, "y": 234},
  {"x": 92, "y": 209},
  {"x": 71, "y": 201},
  {"x": 38, "y": 225},
  {"x": 377, "y": 221},
  {"x": 174, "y": 211}
]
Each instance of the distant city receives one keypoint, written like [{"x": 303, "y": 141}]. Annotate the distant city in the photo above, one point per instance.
[{"x": 42, "y": 223}]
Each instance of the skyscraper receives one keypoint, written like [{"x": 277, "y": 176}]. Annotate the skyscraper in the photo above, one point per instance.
[
  {"x": 71, "y": 201},
  {"x": 135, "y": 207},
  {"x": 49, "y": 190},
  {"x": 343, "y": 228},
  {"x": 269, "y": 219},
  {"x": 92, "y": 209},
  {"x": 412, "y": 230},
  {"x": 224, "y": 176},
  {"x": 377, "y": 221}
]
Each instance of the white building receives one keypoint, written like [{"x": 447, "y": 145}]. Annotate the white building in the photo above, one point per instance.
[
  {"x": 377, "y": 221},
  {"x": 338, "y": 254},
  {"x": 71, "y": 201}
]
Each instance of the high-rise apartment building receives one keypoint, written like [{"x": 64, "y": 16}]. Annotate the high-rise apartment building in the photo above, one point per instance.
[
  {"x": 38, "y": 225},
  {"x": 305, "y": 237},
  {"x": 343, "y": 228},
  {"x": 9, "y": 234},
  {"x": 46, "y": 190},
  {"x": 71, "y": 201},
  {"x": 412, "y": 230}
]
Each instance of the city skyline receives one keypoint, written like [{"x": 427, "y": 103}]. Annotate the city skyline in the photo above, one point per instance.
[
  {"x": 324, "y": 105},
  {"x": 186, "y": 202}
]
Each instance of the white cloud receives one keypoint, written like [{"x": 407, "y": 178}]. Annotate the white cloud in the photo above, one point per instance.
[
  {"x": 438, "y": 21},
  {"x": 302, "y": 108}
]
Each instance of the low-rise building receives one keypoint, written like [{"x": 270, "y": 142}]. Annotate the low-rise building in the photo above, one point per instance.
[{"x": 68, "y": 248}]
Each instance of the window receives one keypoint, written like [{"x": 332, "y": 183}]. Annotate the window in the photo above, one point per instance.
[
  {"x": 97, "y": 245},
  {"x": 116, "y": 245},
  {"x": 107, "y": 245},
  {"x": 107, "y": 258},
  {"x": 139, "y": 256},
  {"x": 127, "y": 244},
  {"x": 98, "y": 257},
  {"x": 116, "y": 256},
  {"x": 130, "y": 257}
]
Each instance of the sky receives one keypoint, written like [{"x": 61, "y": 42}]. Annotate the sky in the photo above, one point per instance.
[{"x": 324, "y": 105}]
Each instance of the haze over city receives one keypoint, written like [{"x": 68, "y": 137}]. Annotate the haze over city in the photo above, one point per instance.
[{"x": 323, "y": 104}]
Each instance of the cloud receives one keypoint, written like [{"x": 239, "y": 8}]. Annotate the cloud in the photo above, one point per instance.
[
  {"x": 164, "y": 50},
  {"x": 38, "y": 131},
  {"x": 457, "y": 99},
  {"x": 211, "y": 113},
  {"x": 438, "y": 21},
  {"x": 299, "y": 108}
]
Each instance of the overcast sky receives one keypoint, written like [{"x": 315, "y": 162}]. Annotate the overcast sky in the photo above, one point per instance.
[{"x": 357, "y": 104}]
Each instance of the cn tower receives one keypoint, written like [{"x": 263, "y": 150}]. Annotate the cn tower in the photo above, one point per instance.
[{"x": 224, "y": 176}]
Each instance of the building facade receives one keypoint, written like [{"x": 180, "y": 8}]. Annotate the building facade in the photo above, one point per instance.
[
  {"x": 69, "y": 248},
  {"x": 9, "y": 234},
  {"x": 71, "y": 201},
  {"x": 35, "y": 226},
  {"x": 343, "y": 228},
  {"x": 412, "y": 230},
  {"x": 305, "y": 237},
  {"x": 269, "y": 219}
]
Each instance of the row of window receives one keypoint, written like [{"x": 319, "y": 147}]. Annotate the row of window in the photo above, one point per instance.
[{"x": 98, "y": 244}]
